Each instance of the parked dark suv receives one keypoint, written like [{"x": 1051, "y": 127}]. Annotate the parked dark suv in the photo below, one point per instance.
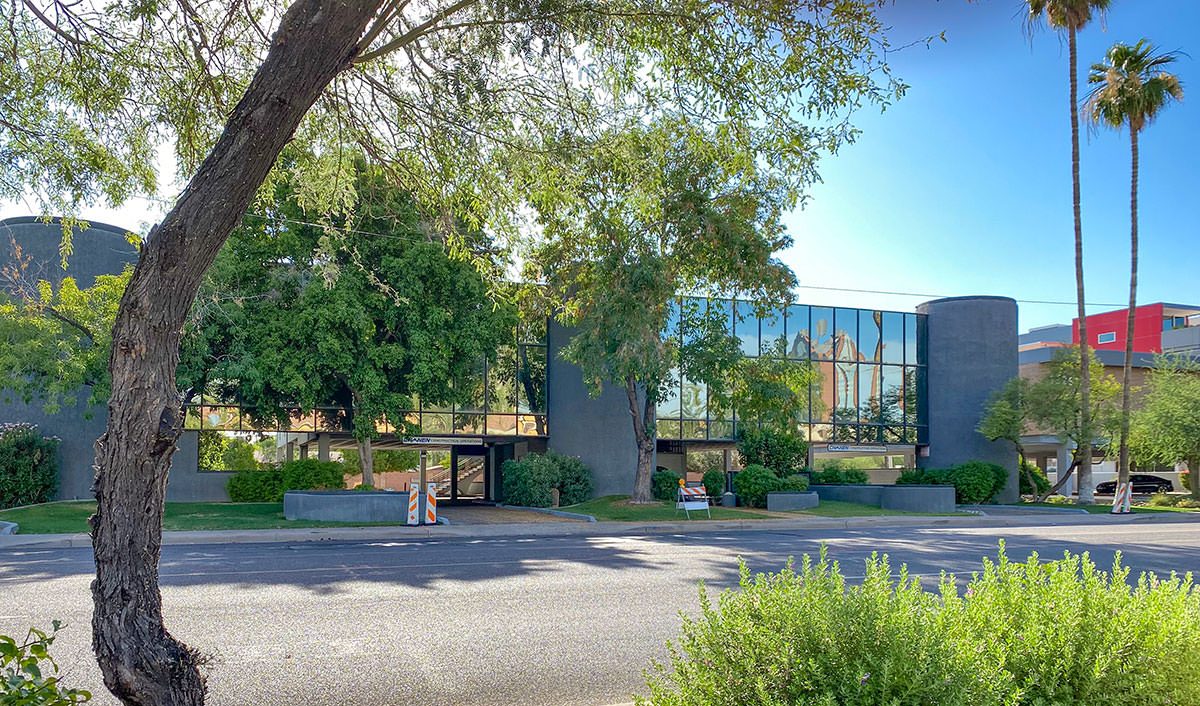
[{"x": 1141, "y": 484}]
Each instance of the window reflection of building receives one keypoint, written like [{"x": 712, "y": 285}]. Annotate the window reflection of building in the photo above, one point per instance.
[{"x": 867, "y": 373}]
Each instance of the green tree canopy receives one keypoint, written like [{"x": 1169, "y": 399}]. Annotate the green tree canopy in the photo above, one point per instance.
[
  {"x": 55, "y": 339},
  {"x": 661, "y": 210},
  {"x": 398, "y": 319},
  {"x": 1167, "y": 427}
]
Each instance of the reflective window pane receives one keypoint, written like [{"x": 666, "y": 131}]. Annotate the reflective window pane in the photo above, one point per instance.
[
  {"x": 668, "y": 407},
  {"x": 822, "y": 333},
  {"x": 914, "y": 384},
  {"x": 693, "y": 402},
  {"x": 869, "y": 338},
  {"x": 893, "y": 395},
  {"x": 668, "y": 428},
  {"x": 746, "y": 328},
  {"x": 469, "y": 391},
  {"x": 822, "y": 432},
  {"x": 502, "y": 424},
  {"x": 869, "y": 405},
  {"x": 893, "y": 337},
  {"x": 910, "y": 339},
  {"x": 693, "y": 429},
  {"x": 845, "y": 327},
  {"x": 823, "y": 399},
  {"x": 846, "y": 434},
  {"x": 720, "y": 429},
  {"x": 531, "y": 379},
  {"x": 845, "y": 391},
  {"x": 797, "y": 331},
  {"x": 671, "y": 329},
  {"x": 435, "y": 423},
  {"x": 771, "y": 328},
  {"x": 502, "y": 381},
  {"x": 468, "y": 424}
]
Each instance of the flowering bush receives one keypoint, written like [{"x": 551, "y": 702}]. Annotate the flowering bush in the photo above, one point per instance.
[
  {"x": 1033, "y": 633},
  {"x": 28, "y": 465}
]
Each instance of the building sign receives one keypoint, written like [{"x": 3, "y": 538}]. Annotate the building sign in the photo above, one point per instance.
[
  {"x": 442, "y": 441},
  {"x": 856, "y": 447}
]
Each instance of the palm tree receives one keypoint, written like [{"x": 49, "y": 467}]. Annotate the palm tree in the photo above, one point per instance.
[
  {"x": 1130, "y": 88},
  {"x": 1072, "y": 16}
]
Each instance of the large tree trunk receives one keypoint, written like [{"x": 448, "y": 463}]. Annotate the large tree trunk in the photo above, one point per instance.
[
  {"x": 643, "y": 419},
  {"x": 1087, "y": 494},
  {"x": 1126, "y": 371},
  {"x": 366, "y": 461},
  {"x": 141, "y": 662}
]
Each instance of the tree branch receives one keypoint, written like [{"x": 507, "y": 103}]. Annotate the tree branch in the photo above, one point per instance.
[{"x": 413, "y": 33}]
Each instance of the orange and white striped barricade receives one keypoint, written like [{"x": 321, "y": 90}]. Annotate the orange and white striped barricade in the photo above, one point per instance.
[
  {"x": 431, "y": 505},
  {"x": 692, "y": 499},
  {"x": 1123, "y": 499},
  {"x": 414, "y": 505}
]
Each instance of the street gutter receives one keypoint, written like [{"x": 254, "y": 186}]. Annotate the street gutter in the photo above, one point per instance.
[{"x": 588, "y": 529}]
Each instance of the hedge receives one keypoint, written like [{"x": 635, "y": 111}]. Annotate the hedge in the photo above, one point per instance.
[
  {"x": 530, "y": 481},
  {"x": 268, "y": 486},
  {"x": 974, "y": 481},
  {"x": 28, "y": 466}
]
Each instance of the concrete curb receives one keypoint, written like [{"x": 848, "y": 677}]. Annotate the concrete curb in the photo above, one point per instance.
[
  {"x": 426, "y": 532},
  {"x": 7, "y": 528}
]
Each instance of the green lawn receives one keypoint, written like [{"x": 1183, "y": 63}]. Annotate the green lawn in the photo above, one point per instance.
[
  {"x": 1106, "y": 507},
  {"x": 68, "y": 517},
  {"x": 833, "y": 508},
  {"x": 616, "y": 508}
]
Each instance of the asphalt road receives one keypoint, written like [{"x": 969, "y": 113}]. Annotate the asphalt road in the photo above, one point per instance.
[{"x": 563, "y": 620}]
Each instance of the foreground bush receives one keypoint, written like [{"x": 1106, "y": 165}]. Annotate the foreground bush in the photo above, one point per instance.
[
  {"x": 28, "y": 466},
  {"x": 27, "y": 672},
  {"x": 268, "y": 486},
  {"x": 664, "y": 484},
  {"x": 530, "y": 482},
  {"x": 1027, "y": 634},
  {"x": 1041, "y": 482}
]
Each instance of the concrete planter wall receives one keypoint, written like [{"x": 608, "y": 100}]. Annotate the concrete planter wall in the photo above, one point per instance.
[
  {"x": 907, "y": 498},
  {"x": 791, "y": 500},
  {"x": 345, "y": 506}
]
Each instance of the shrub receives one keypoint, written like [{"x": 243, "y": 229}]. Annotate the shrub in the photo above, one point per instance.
[
  {"x": 664, "y": 484},
  {"x": 714, "y": 482},
  {"x": 1041, "y": 483},
  {"x": 836, "y": 475},
  {"x": 574, "y": 479},
  {"x": 269, "y": 486},
  {"x": 28, "y": 466},
  {"x": 976, "y": 481},
  {"x": 803, "y": 637},
  {"x": 753, "y": 482},
  {"x": 27, "y": 672},
  {"x": 1164, "y": 500},
  {"x": 1034, "y": 633},
  {"x": 796, "y": 483},
  {"x": 1183, "y": 480},
  {"x": 781, "y": 452},
  {"x": 530, "y": 481}
]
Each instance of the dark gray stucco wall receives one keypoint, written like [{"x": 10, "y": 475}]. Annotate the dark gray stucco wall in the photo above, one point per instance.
[
  {"x": 598, "y": 430},
  {"x": 98, "y": 250},
  {"x": 972, "y": 352},
  {"x": 185, "y": 484}
]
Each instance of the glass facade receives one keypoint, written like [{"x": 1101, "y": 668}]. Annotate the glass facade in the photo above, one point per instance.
[
  {"x": 506, "y": 397},
  {"x": 869, "y": 368}
]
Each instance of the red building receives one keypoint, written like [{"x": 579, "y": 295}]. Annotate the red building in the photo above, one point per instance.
[{"x": 1157, "y": 328}]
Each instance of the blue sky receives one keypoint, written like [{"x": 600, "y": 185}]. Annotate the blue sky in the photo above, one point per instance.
[{"x": 964, "y": 186}]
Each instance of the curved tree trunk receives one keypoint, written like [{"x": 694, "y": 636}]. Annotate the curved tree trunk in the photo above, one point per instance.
[
  {"x": 643, "y": 421},
  {"x": 141, "y": 662},
  {"x": 1087, "y": 494},
  {"x": 366, "y": 461},
  {"x": 1126, "y": 404},
  {"x": 1062, "y": 480}
]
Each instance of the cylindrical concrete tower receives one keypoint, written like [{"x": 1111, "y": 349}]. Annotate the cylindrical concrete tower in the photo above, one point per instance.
[{"x": 971, "y": 352}]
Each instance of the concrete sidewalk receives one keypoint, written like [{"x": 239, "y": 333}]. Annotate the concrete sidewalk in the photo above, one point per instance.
[{"x": 559, "y": 529}]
